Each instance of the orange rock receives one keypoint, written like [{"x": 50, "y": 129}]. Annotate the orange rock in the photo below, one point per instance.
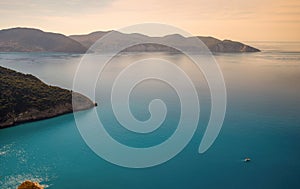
[{"x": 30, "y": 185}]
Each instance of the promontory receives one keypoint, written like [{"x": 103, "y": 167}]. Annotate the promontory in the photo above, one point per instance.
[{"x": 25, "y": 98}]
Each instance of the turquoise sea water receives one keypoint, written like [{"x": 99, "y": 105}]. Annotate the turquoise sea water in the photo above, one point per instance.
[{"x": 262, "y": 122}]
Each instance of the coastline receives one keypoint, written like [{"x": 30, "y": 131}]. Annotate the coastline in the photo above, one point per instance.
[
  {"x": 80, "y": 103},
  {"x": 25, "y": 98}
]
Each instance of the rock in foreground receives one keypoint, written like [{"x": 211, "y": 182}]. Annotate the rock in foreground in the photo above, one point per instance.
[{"x": 30, "y": 185}]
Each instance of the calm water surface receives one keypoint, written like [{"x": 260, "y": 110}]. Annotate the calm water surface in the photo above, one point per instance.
[{"x": 262, "y": 122}]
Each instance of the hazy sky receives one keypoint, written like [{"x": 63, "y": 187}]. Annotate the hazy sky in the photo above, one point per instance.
[{"x": 277, "y": 20}]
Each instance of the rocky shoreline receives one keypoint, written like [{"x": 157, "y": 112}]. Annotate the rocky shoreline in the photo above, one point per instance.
[
  {"x": 25, "y": 98},
  {"x": 36, "y": 115}
]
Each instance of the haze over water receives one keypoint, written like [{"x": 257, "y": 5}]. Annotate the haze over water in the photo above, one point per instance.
[{"x": 262, "y": 122}]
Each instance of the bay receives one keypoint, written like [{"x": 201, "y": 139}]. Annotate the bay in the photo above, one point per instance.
[{"x": 262, "y": 122}]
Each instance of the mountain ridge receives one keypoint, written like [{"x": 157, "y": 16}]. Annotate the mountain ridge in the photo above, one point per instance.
[
  {"x": 22, "y": 39},
  {"x": 213, "y": 44},
  {"x": 35, "y": 40}
]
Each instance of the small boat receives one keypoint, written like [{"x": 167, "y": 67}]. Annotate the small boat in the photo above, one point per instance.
[{"x": 247, "y": 159}]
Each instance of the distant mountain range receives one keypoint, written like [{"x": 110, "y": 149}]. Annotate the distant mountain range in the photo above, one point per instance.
[
  {"x": 35, "y": 40},
  {"x": 213, "y": 44}
]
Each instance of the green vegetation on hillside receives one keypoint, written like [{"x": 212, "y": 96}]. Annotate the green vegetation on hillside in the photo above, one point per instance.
[{"x": 24, "y": 97}]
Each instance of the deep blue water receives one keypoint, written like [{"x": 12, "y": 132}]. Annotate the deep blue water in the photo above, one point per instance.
[{"x": 262, "y": 122}]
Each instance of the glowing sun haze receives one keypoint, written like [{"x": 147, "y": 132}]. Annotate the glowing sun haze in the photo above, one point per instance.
[{"x": 263, "y": 20}]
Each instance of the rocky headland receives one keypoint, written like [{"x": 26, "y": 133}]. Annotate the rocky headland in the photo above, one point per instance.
[{"x": 25, "y": 98}]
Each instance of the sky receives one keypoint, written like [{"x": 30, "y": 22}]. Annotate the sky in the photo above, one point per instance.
[{"x": 255, "y": 20}]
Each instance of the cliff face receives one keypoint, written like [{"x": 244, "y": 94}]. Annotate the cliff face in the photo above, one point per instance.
[
  {"x": 34, "y": 40},
  {"x": 25, "y": 98}
]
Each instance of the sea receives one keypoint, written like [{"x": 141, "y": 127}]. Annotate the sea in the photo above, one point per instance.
[{"x": 262, "y": 122}]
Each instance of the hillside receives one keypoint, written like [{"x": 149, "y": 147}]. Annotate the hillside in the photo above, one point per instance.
[
  {"x": 34, "y": 40},
  {"x": 25, "y": 98},
  {"x": 89, "y": 39},
  {"x": 213, "y": 44}
]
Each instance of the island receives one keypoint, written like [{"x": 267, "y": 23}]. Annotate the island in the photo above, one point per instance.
[
  {"x": 25, "y": 98},
  {"x": 213, "y": 44},
  {"x": 36, "y": 40}
]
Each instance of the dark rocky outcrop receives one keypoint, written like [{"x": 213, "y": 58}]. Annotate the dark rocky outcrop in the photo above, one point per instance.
[
  {"x": 34, "y": 40},
  {"x": 25, "y": 98}
]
